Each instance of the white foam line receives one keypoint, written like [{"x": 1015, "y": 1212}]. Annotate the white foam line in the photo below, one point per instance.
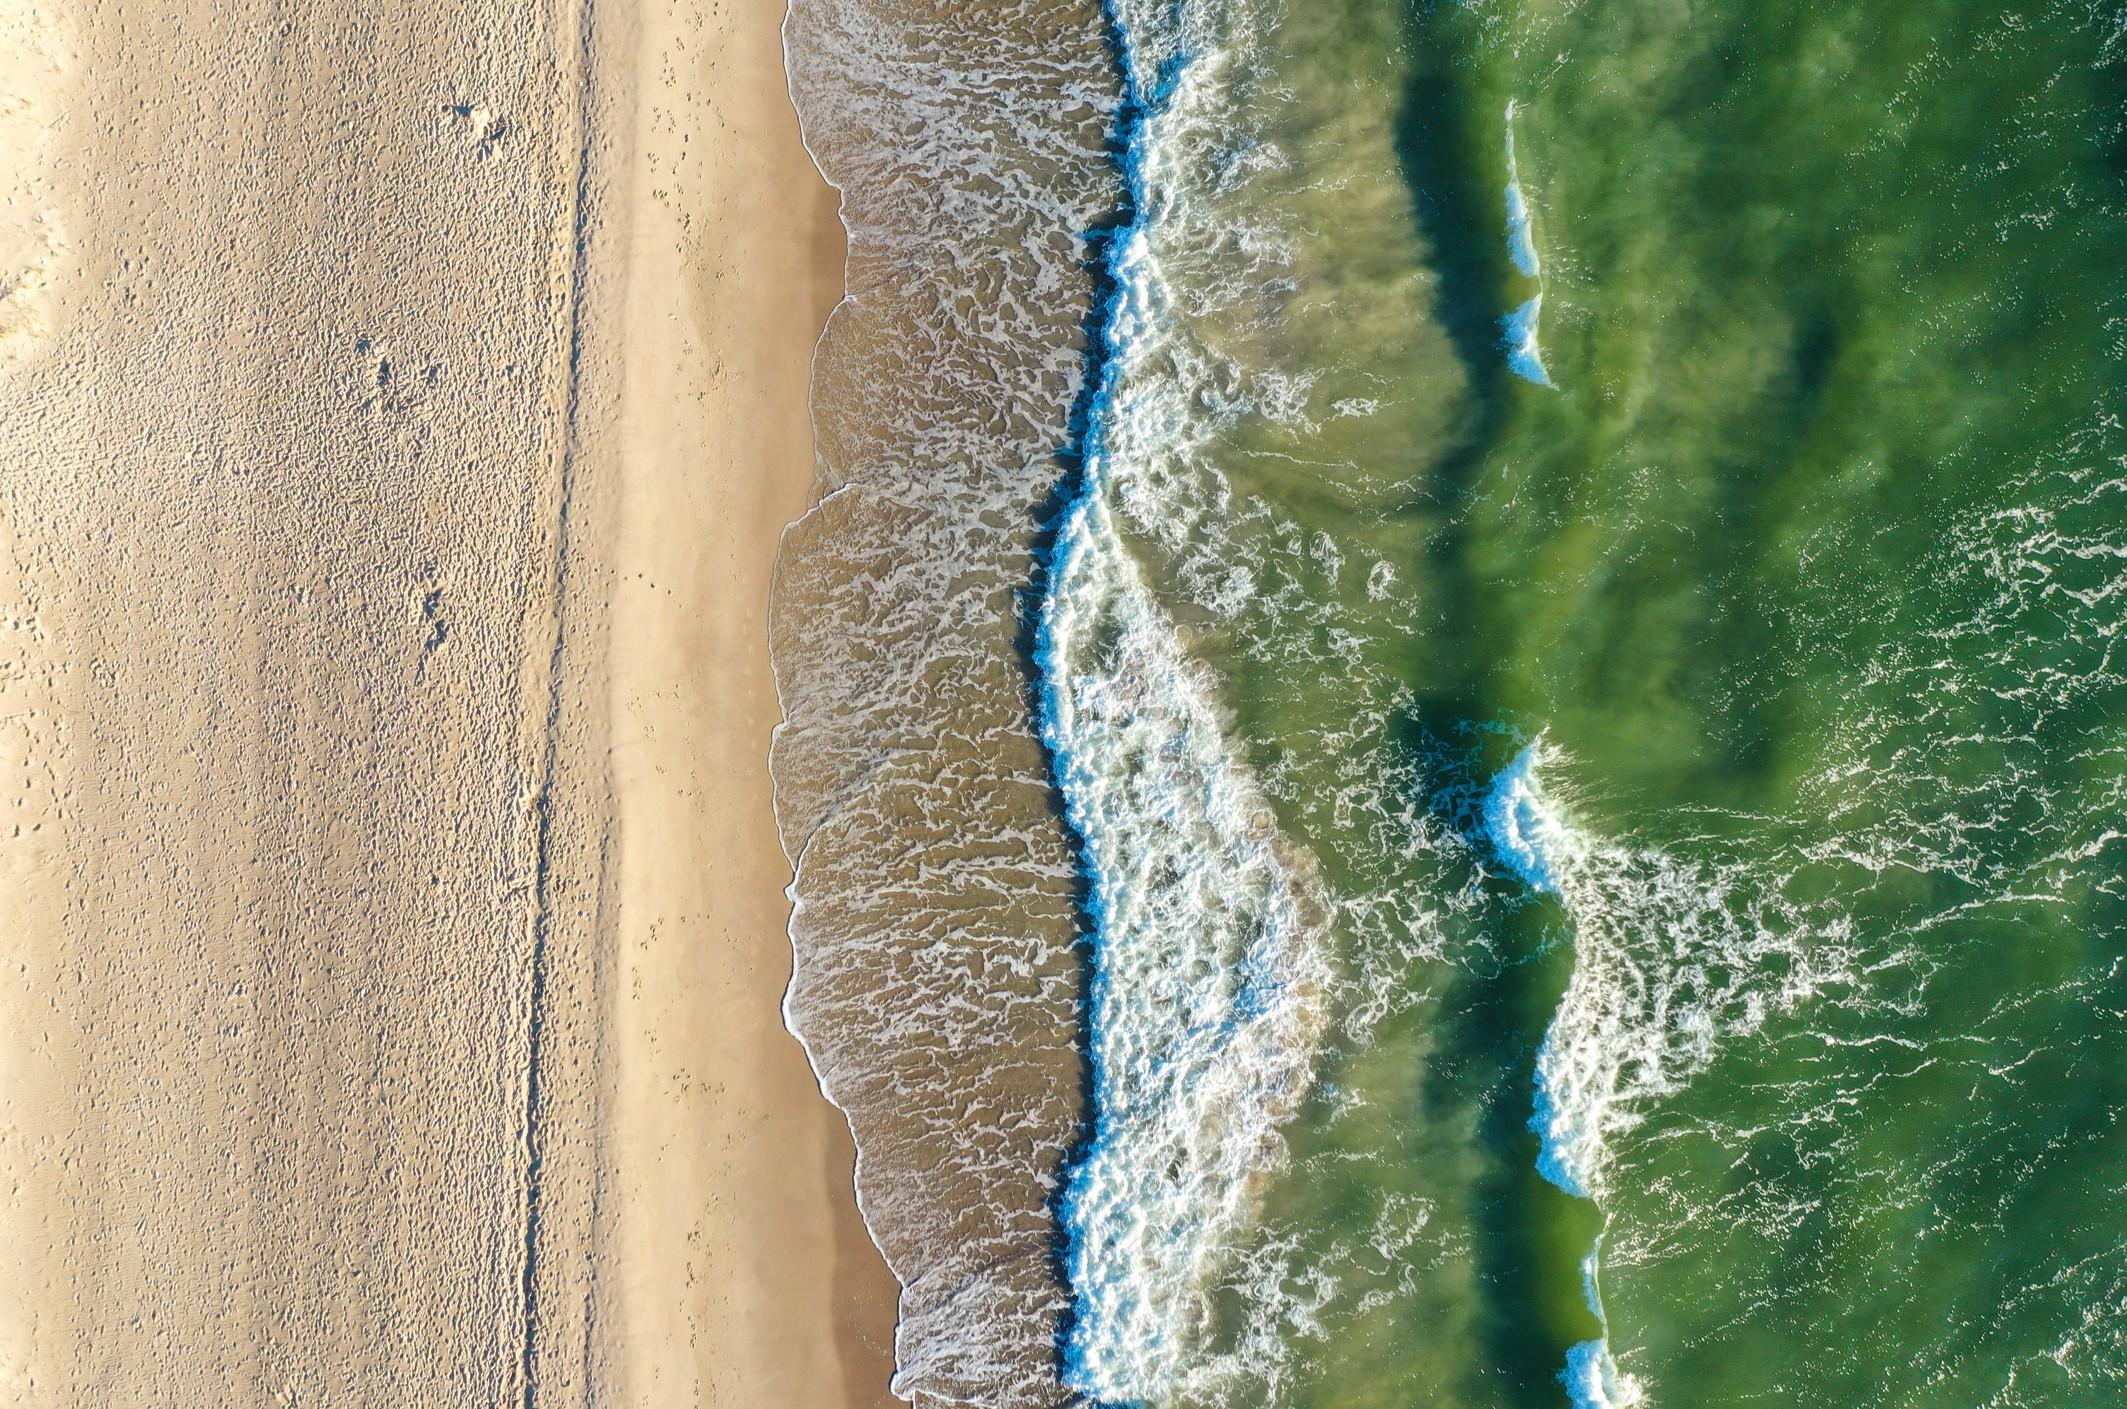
[
  {"x": 1532, "y": 837},
  {"x": 1524, "y": 356},
  {"x": 1521, "y": 240},
  {"x": 791, "y": 928},
  {"x": 1207, "y": 960}
]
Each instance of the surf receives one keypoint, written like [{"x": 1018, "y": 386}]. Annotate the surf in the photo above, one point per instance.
[
  {"x": 1525, "y": 357},
  {"x": 1206, "y": 933},
  {"x": 1577, "y": 1076}
]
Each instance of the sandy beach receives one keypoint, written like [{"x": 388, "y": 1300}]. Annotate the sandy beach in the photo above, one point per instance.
[
  {"x": 749, "y": 1279},
  {"x": 398, "y": 414}
]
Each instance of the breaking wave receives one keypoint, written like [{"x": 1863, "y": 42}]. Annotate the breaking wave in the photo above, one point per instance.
[
  {"x": 1671, "y": 959},
  {"x": 1208, "y": 944}
]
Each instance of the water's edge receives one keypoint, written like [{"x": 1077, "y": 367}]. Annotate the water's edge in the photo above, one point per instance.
[
  {"x": 775, "y": 670},
  {"x": 935, "y": 973}
]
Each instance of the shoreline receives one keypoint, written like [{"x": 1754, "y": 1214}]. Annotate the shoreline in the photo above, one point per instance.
[{"x": 754, "y": 1279}]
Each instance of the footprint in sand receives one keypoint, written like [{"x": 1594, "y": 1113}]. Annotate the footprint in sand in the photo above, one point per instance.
[{"x": 36, "y": 60}]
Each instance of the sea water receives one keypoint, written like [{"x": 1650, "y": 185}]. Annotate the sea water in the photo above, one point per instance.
[{"x": 1473, "y": 705}]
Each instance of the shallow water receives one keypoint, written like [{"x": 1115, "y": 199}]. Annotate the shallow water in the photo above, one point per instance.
[
  {"x": 1569, "y": 560},
  {"x": 936, "y": 981}
]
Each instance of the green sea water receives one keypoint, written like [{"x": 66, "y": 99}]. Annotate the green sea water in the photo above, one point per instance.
[{"x": 1808, "y": 572}]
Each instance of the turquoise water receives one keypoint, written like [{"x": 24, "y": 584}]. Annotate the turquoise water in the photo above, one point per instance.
[{"x": 1640, "y": 766}]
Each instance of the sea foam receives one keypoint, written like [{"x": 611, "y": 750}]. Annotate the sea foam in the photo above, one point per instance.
[
  {"x": 1529, "y": 833},
  {"x": 1208, "y": 967},
  {"x": 1521, "y": 239},
  {"x": 1671, "y": 959},
  {"x": 1525, "y": 357},
  {"x": 937, "y": 964}
]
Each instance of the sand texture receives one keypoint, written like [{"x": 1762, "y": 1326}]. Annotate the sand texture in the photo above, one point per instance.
[{"x": 398, "y": 409}]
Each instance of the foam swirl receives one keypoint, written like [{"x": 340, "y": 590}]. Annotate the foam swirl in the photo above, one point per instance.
[{"x": 1208, "y": 945}]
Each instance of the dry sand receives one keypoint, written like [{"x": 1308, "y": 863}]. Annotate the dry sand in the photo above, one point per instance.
[
  {"x": 767, "y": 1291},
  {"x": 398, "y": 408}
]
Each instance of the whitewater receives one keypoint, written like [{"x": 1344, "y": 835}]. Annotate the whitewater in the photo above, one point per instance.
[
  {"x": 1208, "y": 948},
  {"x": 1525, "y": 355},
  {"x": 1578, "y": 1068},
  {"x": 1350, "y": 852}
]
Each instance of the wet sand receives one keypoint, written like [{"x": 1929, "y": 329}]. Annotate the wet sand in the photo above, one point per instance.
[
  {"x": 735, "y": 260},
  {"x": 394, "y": 436}
]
